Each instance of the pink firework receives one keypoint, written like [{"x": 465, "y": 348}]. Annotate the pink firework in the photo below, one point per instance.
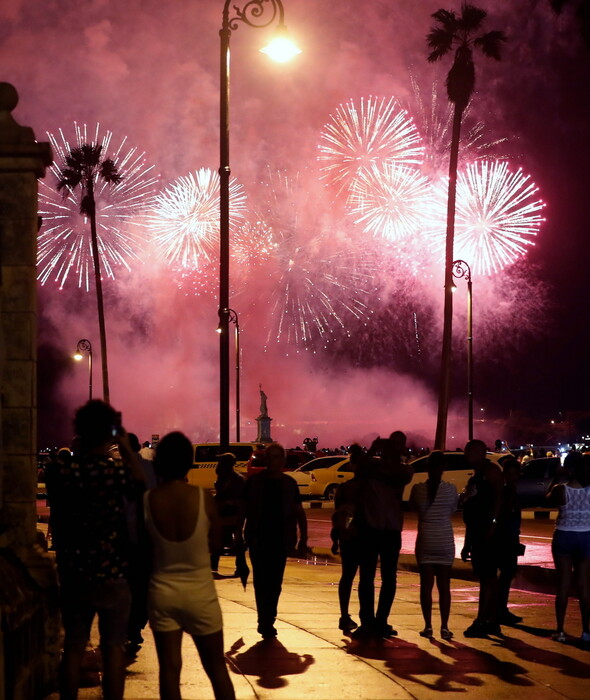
[
  {"x": 360, "y": 136},
  {"x": 498, "y": 215},
  {"x": 390, "y": 200}
]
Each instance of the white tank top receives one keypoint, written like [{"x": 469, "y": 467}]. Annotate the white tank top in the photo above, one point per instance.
[
  {"x": 575, "y": 514},
  {"x": 180, "y": 559}
]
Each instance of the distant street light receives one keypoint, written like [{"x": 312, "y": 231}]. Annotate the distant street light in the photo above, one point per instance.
[
  {"x": 253, "y": 14},
  {"x": 85, "y": 346},
  {"x": 461, "y": 270}
]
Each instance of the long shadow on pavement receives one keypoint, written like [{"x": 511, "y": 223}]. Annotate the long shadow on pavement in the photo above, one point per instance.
[
  {"x": 567, "y": 665},
  {"x": 408, "y": 661},
  {"x": 269, "y": 660}
]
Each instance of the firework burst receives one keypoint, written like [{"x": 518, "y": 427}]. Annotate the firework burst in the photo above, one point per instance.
[
  {"x": 185, "y": 218},
  {"x": 315, "y": 282},
  {"x": 390, "y": 200},
  {"x": 498, "y": 215},
  {"x": 64, "y": 250},
  {"x": 358, "y": 137}
]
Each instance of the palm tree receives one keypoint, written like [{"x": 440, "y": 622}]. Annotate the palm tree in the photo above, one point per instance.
[
  {"x": 582, "y": 12},
  {"x": 456, "y": 32},
  {"x": 84, "y": 167}
]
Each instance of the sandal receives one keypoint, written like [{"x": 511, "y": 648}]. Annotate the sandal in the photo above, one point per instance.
[
  {"x": 426, "y": 632},
  {"x": 446, "y": 633},
  {"x": 559, "y": 637}
]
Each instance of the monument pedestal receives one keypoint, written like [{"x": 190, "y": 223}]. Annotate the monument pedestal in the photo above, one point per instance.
[{"x": 263, "y": 429}]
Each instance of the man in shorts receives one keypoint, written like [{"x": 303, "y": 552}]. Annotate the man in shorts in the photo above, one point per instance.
[{"x": 92, "y": 545}]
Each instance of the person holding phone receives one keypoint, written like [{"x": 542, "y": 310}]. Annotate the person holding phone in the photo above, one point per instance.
[{"x": 91, "y": 540}]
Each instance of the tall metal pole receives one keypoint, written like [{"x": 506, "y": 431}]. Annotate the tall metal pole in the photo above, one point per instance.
[
  {"x": 236, "y": 321},
  {"x": 460, "y": 270},
  {"x": 224, "y": 176},
  {"x": 470, "y": 355},
  {"x": 90, "y": 375},
  {"x": 255, "y": 13}
]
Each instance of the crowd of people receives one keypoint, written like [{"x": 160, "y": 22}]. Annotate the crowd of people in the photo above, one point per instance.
[{"x": 135, "y": 542}]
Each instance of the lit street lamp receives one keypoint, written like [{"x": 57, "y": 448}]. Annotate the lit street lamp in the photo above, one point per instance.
[
  {"x": 232, "y": 317},
  {"x": 257, "y": 14},
  {"x": 85, "y": 346},
  {"x": 461, "y": 270}
]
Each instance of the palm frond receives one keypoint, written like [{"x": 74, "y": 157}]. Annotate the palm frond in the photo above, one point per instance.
[
  {"x": 70, "y": 178},
  {"x": 558, "y": 5},
  {"x": 461, "y": 77},
  {"x": 87, "y": 205},
  {"x": 440, "y": 41},
  {"x": 91, "y": 153},
  {"x": 447, "y": 19},
  {"x": 471, "y": 17},
  {"x": 109, "y": 171},
  {"x": 491, "y": 44}
]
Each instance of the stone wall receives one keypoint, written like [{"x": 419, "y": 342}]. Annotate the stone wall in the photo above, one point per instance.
[{"x": 29, "y": 623}]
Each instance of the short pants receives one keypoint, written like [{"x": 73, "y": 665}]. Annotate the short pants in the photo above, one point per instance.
[
  {"x": 568, "y": 543},
  {"x": 111, "y": 600}
]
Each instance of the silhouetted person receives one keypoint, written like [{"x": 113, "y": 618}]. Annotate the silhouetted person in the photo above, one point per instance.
[
  {"x": 140, "y": 562},
  {"x": 482, "y": 505},
  {"x": 147, "y": 451},
  {"x": 272, "y": 512},
  {"x": 571, "y": 541},
  {"x": 379, "y": 522},
  {"x": 182, "y": 522},
  {"x": 92, "y": 545},
  {"x": 229, "y": 498},
  {"x": 435, "y": 501},
  {"x": 344, "y": 534},
  {"x": 509, "y": 536}
]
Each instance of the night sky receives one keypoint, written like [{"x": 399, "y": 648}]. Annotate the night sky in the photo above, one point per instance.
[{"x": 149, "y": 71}]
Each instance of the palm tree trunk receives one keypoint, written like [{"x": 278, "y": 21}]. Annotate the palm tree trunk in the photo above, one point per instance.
[
  {"x": 446, "y": 356},
  {"x": 99, "y": 299}
]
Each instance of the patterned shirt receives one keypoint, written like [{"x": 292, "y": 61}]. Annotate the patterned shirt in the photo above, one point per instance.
[{"x": 88, "y": 519}]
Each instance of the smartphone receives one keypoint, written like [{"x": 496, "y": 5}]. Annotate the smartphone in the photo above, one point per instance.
[{"x": 116, "y": 427}]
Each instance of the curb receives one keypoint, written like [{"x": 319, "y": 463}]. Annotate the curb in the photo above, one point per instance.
[{"x": 534, "y": 579}]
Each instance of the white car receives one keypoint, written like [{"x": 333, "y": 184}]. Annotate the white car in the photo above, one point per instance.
[
  {"x": 456, "y": 472},
  {"x": 320, "y": 477}
]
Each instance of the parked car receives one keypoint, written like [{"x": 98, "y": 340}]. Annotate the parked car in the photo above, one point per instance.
[
  {"x": 205, "y": 460},
  {"x": 293, "y": 460},
  {"x": 456, "y": 472},
  {"x": 320, "y": 477},
  {"x": 535, "y": 479}
]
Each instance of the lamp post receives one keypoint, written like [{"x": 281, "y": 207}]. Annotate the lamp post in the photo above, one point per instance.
[
  {"x": 85, "y": 346},
  {"x": 232, "y": 317},
  {"x": 461, "y": 270},
  {"x": 257, "y": 14}
]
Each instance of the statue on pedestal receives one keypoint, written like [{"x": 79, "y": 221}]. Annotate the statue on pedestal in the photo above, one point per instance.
[{"x": 263, "y": 419}]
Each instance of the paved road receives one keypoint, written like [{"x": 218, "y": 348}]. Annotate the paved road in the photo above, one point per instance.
[{"x": 535, "y": 534}]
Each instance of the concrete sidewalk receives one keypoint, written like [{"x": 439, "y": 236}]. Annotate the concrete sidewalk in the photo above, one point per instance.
[{"x": 312, "y": 660}]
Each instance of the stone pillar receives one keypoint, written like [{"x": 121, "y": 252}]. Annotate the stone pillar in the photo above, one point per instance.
[
  {"x": 263, "y": 429},
  {"x": 29, "y": 624}
]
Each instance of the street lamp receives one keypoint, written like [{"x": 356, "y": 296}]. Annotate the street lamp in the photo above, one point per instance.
[
  {"x": 257, "y": 14},
  {"x": 461, "y": 270},
  {"x": 232, "y": 317},
  {"x": 85, "y": 346}
]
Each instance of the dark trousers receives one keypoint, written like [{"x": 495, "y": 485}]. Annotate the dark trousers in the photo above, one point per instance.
[
  {"x": 383, "y": 545},
  {"x": 268, "y": 567}
]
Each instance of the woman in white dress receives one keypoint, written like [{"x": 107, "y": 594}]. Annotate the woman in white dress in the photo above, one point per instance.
[
  {"x": 435, "y": 501},
  {"x": 180, "y": 520}
]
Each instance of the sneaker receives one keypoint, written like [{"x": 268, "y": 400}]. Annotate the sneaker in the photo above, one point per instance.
[
  {"x": 477, "y": 630},
  {"x": 385, "y": 631},
  {"x": 347, "y": 624},
  {"x": 509, "y": 618},
  {"x": 267, "y": 631},
  {"x": 426, "y": 632},
  {"x": 363, "y": 632},
  {"x": 585, "y": 637},
  {"x": 494, "y": 629},
  {"x": 559, "y": 637}
]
